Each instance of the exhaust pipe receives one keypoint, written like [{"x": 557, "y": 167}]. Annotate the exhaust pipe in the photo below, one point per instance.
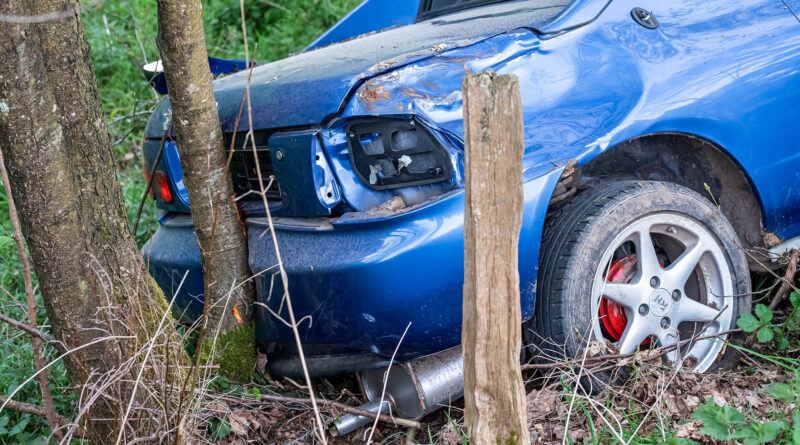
[{"x": 413, "y": 389}]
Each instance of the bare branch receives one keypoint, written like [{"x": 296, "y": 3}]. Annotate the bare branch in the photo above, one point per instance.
[
  {"x": 30, "y": 408},
  {"x": 30, "y": 331}
]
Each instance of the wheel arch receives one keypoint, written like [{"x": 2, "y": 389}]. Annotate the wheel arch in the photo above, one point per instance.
[{"x": 690, "y": 161}]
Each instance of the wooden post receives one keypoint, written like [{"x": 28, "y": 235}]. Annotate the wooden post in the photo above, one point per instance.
[{"x": 491, "y": 334}]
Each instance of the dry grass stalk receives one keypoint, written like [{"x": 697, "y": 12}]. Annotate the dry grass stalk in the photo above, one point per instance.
[{"x": 284, "y": 279}]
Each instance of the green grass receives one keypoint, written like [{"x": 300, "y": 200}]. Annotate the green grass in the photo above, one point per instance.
[
  {"x": 280, "y": 27},
  {"x": 16, "y": 350}
]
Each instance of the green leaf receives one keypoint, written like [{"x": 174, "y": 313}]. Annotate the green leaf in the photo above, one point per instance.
[
  {"x": 783, "y": 343},
  {"x": 757, "y": 433},
  {"x": 220, "y": 428},
  {"x": 19, "y": 427},
  {"x": 677, "y": 441},
  {"x": 780, "y": 391},
  {"x": 764, "y": 313},
  {"x": 765, "y": 334},
  {"x": 5, "y": 241},
  {"x": 794, "y": 297},
  {"x": 796, "y": 427},
  {"x": 718, "y": 421},
  {"x": 748, "y": 322}
]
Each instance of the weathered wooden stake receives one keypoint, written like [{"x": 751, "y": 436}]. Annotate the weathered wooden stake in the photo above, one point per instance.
[{"x": 491, "y": 334}]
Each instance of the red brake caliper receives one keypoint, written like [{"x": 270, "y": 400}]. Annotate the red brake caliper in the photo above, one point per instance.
[{"x": 612, "y": 315}]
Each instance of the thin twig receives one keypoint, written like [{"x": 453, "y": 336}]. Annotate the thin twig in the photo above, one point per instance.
[
  {"x": 385, "y": 382},
  {"x": 164, "y": 317},
  {"x": 284, "y": 277},
  {"x": 30, "y": 331},
  {"x": 129, "y": 116},
  {"x": 150, "y": 181},
  {"x": 56, "y": 360},
  {"x": 788, "y": 279},
  {"x": 342, "y": 406},
  {"x": 207, "y": 297},
  {"x": 30, "y": 408},
  {"x": 27, "y": 277},
  {"x": 786, "y": 285},
  {"x": 141, "y": 46}
]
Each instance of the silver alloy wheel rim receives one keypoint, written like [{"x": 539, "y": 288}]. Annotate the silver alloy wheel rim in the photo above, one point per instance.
[{"x": 701, "y": 253}]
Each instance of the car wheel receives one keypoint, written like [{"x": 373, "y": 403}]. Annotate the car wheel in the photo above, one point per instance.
[{"x": 640, "y": 264}]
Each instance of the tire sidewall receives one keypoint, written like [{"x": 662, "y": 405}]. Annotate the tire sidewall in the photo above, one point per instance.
[{"x": 583, "y": 256}]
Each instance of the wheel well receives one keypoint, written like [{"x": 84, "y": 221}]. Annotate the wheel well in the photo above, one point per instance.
[{"x": 687, "y": 160}]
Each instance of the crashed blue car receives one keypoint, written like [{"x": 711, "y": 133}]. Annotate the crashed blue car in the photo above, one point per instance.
[{"x": 661, "y": 166}]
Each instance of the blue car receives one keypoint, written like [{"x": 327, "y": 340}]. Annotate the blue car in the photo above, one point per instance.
[{"x": 661, "y": 166}]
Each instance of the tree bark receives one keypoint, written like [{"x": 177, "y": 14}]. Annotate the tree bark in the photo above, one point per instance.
[
  {"x": 96, "y": 292},
  {"x": 229, "y": 292},
  {"x": 491, "y": 335}
]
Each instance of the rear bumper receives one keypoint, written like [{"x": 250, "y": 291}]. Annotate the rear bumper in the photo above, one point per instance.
[
  {"x": 356, "y": 285},
  {"x": 172, "y": 254}
]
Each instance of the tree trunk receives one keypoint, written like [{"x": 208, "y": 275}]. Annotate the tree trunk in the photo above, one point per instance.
[
  {"x": 59, "y": 158},
  {"x": 491, "y": 335},
  {"x": 222, "y": 244}
]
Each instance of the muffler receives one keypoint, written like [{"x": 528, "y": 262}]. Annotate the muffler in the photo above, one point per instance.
[{"x": 413, "y": 389}]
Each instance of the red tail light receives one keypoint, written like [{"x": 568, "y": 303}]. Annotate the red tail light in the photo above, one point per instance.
[
  {"x": 147, "y": 180},
  {"x": 162, "y": 185}
]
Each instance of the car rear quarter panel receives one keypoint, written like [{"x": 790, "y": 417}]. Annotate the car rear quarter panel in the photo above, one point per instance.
[{"x": 724, "y": 71}]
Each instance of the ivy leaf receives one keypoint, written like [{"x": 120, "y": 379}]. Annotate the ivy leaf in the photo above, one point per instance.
[
  {"x": 718, "y": 421},
  {"x": 765, "y": 334},
  {"x": 794, "y": 297},
  {"x": 748, "y": 322},
  {"x": 780, "y": 391},
  {"x": 764, "y": 313},
  {"x": 5, "y": 241}
]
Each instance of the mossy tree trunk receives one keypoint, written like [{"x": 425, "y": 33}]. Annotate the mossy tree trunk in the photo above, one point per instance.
[
  {"x": 58, "y": 154},
  {"x": 229, "y": 290}
]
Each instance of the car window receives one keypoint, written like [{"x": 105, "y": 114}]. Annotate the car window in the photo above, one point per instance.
[{"x": 429, "y": 9}]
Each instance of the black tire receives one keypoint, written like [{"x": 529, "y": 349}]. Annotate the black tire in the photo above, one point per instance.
[{"x": 575, "y": 240}]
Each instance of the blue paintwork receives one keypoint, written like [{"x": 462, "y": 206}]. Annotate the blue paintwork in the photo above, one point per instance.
[
  {"x": 362, "y": 283},
  {"x": 369, "y": 16},
  {"x": 170, "y": 164},
  {"x": 728, "y": 72},
  {"x": 301, "y": 191},
  {"x": 319, "y": 82},
  {"x": 794, "y": 5},
  {"x": 175, "y": 173},
  {"x": 170, "y": 254},
  {"x": 576, "y": 14},
  {"x": 218, "y": 67}
]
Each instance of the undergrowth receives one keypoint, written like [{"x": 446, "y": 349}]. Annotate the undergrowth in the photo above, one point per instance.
[{"x": 279, "y": 26}]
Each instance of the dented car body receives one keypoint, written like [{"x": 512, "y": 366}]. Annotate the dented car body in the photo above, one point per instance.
[{"x": 364, "y": 140}]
